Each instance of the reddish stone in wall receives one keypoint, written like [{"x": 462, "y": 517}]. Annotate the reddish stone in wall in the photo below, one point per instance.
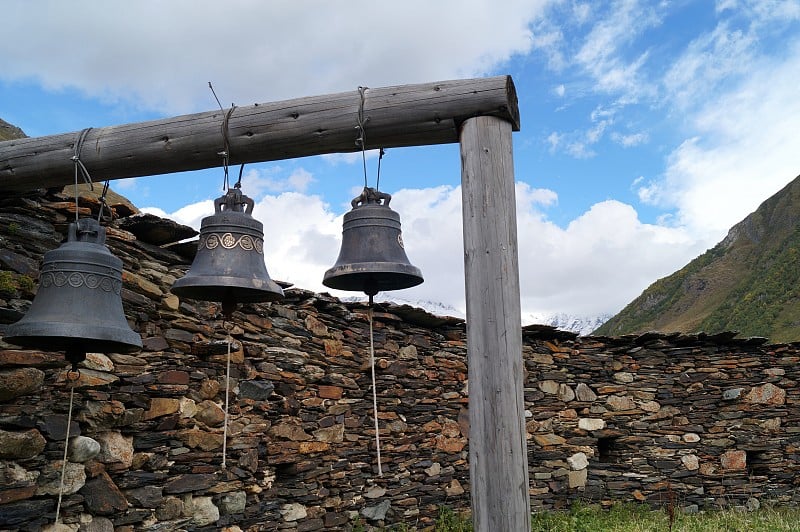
[
  {"x": 734, "y": 460},
  {"x": 768, "y": 394},
  {"x": 330, "y": 392}
]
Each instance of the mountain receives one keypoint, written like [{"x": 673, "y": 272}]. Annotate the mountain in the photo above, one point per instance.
[
  {"x": 749, "y": 282},
  {"x": 583, "y": 325},
  {"x": 10, "y": 132},
  {"x": 434, "y": 307}
]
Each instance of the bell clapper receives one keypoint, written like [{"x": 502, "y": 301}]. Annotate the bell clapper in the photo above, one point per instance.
[
  {"x": 75, "y": 356},
  {"x": 228, "y": 308}
]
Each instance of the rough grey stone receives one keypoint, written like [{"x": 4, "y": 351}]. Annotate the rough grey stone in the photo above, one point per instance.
[
  {"x": 257, "y": 390},
  {"x": 377, "y": 512},
  {"x": 82, "y": 449},
  {"x": 18, "y": 382}
]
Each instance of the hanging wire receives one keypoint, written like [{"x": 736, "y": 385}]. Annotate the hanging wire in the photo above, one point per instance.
[
  {"x": 362, "y": 135},
  {"x": 362, "y": 139},
  {"x": 381, "y": 153},
  {"x": 239, "y": 182},
  {"x": 226, "y": 146},
  {"x": 104, "y": 204},
  {"x": 374, "y": 388},
  {"x": 80, "y": 167},
  {"x": 226, "y": 153},
  {"x": 66, "y": 440},
  {"x": 210, "y": 86}
]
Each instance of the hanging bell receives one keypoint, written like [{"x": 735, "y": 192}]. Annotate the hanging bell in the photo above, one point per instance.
[
  {"x": 372, "y": 258},
  {"x": 78, "y": 307},
  {"x": 229, "y": 265}
]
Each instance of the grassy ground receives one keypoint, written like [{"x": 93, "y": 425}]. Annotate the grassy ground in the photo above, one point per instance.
[{"x": 639, "y": 518}]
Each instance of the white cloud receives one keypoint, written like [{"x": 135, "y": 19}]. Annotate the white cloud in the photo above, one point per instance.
[
  {"x": 290, "y": 49},
  {"x": 762, "y": 12},
  {"x": 744, "y": 150},
  {"x": 554, "y": 140},
  {"x": 709, "y": 60},
  {"x": 273, "y": 179},
  {"x": 723, "y": 5},
  {"x": 629, "y": 141},
  {"x": 190, "y": 215},
  {"x": 349, "y": 158},
  {"x": 599, "y": 263},
  {"x": 582, "y": 12},
  {"x": 126, "y": 184},
  {"x": 603, "y": 52},
  {"x": 737, "y": 110},
  {"x": 580, "y": 150},
  {"x": 587, "y": 268}
]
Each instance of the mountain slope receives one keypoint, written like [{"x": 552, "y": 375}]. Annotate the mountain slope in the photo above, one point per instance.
[
  {"x": 749, "y": 282},
  {"x": 10, "y": 132},
  {"x": 580, "y": 324}
]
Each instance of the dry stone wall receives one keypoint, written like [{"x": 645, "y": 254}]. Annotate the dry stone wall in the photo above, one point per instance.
[
  {"x": 697, "y": 420},
  {"x": 691, "y": 420}
]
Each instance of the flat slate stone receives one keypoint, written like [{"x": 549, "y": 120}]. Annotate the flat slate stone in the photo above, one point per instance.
[
  {"x": 21, "y": 445},
  {"x": 19, "y": 263},
  {"x": 102, "y": 496},
  {"x": 189, "y": 482},
  {"x": 155, "y": 230},
  {"x": 258, "y": 390},
  {"x": 20, "y": 381},
  {"x": 26, "y": 512}
]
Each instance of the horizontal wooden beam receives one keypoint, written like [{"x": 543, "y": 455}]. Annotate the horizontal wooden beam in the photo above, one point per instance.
[{"x": 406, "y": 115}]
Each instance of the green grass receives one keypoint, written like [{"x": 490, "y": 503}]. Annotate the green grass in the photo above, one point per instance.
[
  {"x": 10, "y": 283},
  {"x": 630, "y": 517}
]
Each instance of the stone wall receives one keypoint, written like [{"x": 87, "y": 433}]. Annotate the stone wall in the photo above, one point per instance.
[
  {"x": 691, "y": 420},
  {"x": 697, "y": 420}
]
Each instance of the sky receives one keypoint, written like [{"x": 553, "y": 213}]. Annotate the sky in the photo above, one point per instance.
[{"x": 648, "y": 129}]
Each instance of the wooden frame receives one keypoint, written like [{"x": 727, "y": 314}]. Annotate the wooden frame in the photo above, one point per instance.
[{"x": 478, "y": 113}]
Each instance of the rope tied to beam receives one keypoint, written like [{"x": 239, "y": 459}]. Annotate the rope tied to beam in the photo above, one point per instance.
[
  {"x": 362, "y": 138},
  {"x": 226, "y": 143}
]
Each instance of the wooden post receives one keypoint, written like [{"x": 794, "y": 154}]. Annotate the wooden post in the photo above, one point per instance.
[{"x": 498, "y": 459}]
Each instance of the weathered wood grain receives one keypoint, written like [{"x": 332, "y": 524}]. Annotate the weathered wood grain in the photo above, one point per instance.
[
  {"x": 497, "y": 447},
  {"x": 406, "y": 115}
]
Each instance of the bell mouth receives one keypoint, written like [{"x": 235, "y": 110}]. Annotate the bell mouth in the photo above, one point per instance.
[
  {"x": 227, "y": 289},
  {"x": 73, "y": 337},
  {"x": 372, "y": 277}
]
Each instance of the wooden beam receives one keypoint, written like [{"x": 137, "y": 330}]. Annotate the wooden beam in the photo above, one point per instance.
[
  {"x": 406, "y": 115},
  {"x": 498, "y": 458}
]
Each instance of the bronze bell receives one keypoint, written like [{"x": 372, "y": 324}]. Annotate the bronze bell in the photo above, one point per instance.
[
  {"x": 78, "y": 307},
  {"x": 372, "y": 258},
  {"x": 229, "y": 265}
]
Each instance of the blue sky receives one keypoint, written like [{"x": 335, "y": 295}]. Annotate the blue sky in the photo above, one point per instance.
[{"x": 648, "y": 128}]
